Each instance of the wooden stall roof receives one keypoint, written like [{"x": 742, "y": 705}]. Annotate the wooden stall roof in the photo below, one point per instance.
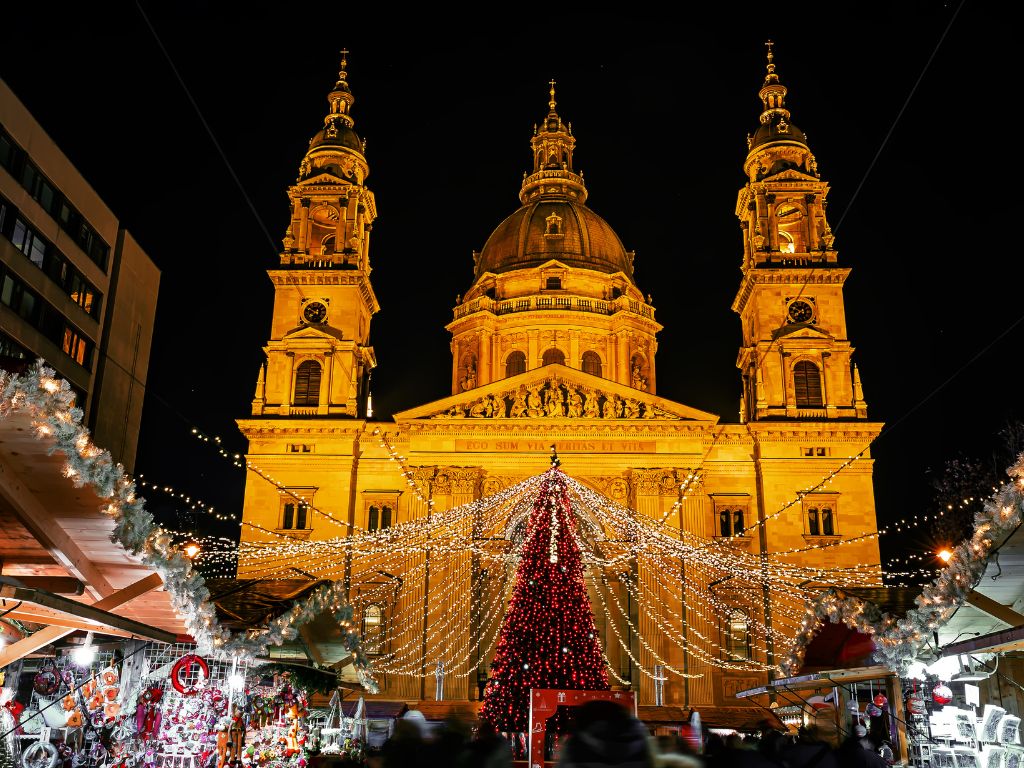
[{"x": 49, "y": 528}]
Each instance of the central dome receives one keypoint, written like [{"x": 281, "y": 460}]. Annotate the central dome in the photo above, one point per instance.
[{"x": 559, "y": 229}]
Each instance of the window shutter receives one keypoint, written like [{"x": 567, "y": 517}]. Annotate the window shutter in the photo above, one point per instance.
[
  {"x": 307, "y": 384},
  {"x": 372, "y": 518},
  {"x": 288, "y": 520},
  {"x": 385, "y": 517}
]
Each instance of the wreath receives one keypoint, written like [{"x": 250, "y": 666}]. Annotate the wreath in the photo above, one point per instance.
[
  {"x": 183, "y": 668},
  {"x": 47, "y": 681}
]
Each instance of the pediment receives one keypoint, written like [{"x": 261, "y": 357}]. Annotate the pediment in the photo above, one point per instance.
[
  {"x": 313, "y": 332},
  {"x": 322, "y": 178},
  {"x": 555, "y": 392},
  {"x": 800, "y": 331},
  {"x": 790, "y": 174}
]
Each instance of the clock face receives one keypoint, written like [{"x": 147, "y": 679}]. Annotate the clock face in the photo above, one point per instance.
[
  {"x": 800, "y": 311},
  {"x": 314, "y": 312}
]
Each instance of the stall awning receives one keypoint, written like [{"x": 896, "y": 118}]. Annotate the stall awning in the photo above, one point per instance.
[
  {"x": 819, "y": 680},
  {"x": 41, "y": 607}
]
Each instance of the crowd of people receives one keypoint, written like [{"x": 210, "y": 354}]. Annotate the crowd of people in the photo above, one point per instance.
[{"x": 605, "y": 734}]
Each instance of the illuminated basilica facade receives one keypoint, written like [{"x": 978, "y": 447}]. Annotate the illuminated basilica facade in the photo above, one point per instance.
[{"x": 555, "y": 343}]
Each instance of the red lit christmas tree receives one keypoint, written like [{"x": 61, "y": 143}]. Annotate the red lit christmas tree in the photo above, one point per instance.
[{"x": 548, "y": 638}]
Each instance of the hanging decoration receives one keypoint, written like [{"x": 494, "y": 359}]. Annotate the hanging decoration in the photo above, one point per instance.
[
  {"x": 182, "y": 672},
  {"x": 941, "y": 694},
  {"x": 899, "y": 640},
  {"x": 49, "y": 400}
]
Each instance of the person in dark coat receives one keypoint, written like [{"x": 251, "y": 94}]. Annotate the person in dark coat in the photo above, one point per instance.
[
  {"x": 489, "y": 749},
  {"x": 857, "y": 751},
  {"x": 605, "y": 733}
]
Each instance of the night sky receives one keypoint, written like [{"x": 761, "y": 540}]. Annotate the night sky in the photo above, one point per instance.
[{"x": 660, "y": 110}]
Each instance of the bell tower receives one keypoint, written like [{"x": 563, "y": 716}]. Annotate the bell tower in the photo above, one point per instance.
[
  {"x": 796, "y": 357},
  {"x": 318, "y": 358}
]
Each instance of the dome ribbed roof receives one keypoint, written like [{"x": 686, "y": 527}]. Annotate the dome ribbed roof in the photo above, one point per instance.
[{"x": 554, "y": 229}]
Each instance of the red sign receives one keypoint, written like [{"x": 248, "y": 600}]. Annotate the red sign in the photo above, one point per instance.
[{"x": 545, "y": 702}]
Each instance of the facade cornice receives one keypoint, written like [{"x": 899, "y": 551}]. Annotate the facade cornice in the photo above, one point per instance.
[
  {"x": 305, "y": 276},
  {"x": 809, "y": 275}
]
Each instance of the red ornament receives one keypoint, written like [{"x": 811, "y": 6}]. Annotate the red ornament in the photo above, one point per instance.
[
  {"x": 941, "y": 694},
  {"x": 880, "y": 700},
  {"x": 183, "y": 668}
]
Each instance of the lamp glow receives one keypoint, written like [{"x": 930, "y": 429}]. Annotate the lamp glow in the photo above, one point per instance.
[
  {"x": 236, "y": 682},
  {"x": 192, "y": 550},
  {"x": 944, "y": 555},
  {"x": 84, "y": 655}
]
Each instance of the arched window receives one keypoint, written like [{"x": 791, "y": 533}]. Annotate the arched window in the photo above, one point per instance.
[
  {"x": 813, "y": 524},
  {"x": 723, "y": 523},
  {"x": 515, "y": 364},
  {"x": 828, "y": 526},
  {"x": 385, "y": 517},
  {"x": 737, "y": 635},
  {"x": 737, "y": 522},
  {"x": 372, "y": 519},
  {"x": 807, "y": 385},
  {"x": 592, "y": 363},
  {"x": 327, "y": 247},
  {"x": 307, "y": 384},
  {"x": 552, "y": 356}
]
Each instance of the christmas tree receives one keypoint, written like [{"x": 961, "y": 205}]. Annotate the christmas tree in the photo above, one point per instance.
[{"x": 548, "y": 638}]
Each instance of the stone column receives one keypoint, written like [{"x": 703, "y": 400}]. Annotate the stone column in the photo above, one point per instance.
[
  {"x": 622, "y": 357},
  {"x": 304, "y": 226},
  {"x": 286, "y": 406},
  {"x": 325, "y": 392},
  {"x": 574, "y": 360},
  {"x": 484, "y": 359},
  {"x": 339, "y": 232},
  {"x": 533, "y": 350}
]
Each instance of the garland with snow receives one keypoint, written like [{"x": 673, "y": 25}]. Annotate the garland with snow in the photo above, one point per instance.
[
  {"x": 48, "y": 401},
  {"x": 898, "y": 641}
]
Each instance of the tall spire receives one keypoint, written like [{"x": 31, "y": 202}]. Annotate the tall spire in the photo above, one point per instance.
[
  {"x": 553, "y": 146},
  {"x": 772, "y": 93},
  {"x": 340, "y": 98}
]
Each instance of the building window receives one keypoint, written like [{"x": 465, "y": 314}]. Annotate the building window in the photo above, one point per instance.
[
  {"x": 807, "y": 385},
  {"x": 821, "y": 519},
  {"x": 295, "y": 516},
  {"x": 373, "y": 627},
  {"x": 307, "y": 384},
  {"x": 730, "y": 521},
  {"x": 553, "y": 356},
  {"x": 385, "y": 517},
  {"x": 372, "y": 519},
  {"x": 554, "y": 284},
  {"x": 828, "y": 527},
  {"x": 515, "y": 364},
  {"x": 737, "y": 635},
  {"x": 591, "y": 363}
]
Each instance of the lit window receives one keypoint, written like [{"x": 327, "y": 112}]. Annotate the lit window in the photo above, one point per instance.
[{"x": 737, "y": 635}]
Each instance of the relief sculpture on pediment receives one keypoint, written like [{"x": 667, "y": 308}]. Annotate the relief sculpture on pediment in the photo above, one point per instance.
[{"x": 554, "y": 399}]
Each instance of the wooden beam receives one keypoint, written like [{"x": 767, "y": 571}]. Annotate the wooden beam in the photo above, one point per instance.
[
  {"x": 59, "y": 585},
  {"x": 41, "y": 524},
  {"x": 993, "y": 608},
  {"x": 66, "y": 621},
  {"x": 51, "y": 634},
  {"x": 310, "y": 645}
]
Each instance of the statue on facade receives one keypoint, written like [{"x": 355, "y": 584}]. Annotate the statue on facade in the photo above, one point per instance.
[
  {"x": 495, "y": 407},
  {"x": 476, "y": 410},
  {"x": 554, "y": 402},
  {"x": 632, "y": 409},
  {"x": 534, "y": 403},
  {"x": 469, "y": 380},
  {"x": 611, "y": 407},
  {"x": 575, "y": 403},
  {"x": 637, "y": 378},
  {"x": 519, "y": 408},
  {"x": 590, "y": 407}
]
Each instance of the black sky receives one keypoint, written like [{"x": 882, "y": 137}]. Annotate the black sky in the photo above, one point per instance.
[{"x": 660, "y": 107}]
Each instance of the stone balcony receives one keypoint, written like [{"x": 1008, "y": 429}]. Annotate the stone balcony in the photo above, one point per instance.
[{"x": 555, "y": 303}]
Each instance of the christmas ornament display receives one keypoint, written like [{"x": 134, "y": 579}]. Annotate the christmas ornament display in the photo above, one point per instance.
[{"x": 941, "y": 694}]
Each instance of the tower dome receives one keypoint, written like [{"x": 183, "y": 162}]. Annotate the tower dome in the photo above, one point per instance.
[
  {"x": 336, "y": 149},
  {"x": 554, "y": 221},
  {"x": 557, "y": 228}
]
